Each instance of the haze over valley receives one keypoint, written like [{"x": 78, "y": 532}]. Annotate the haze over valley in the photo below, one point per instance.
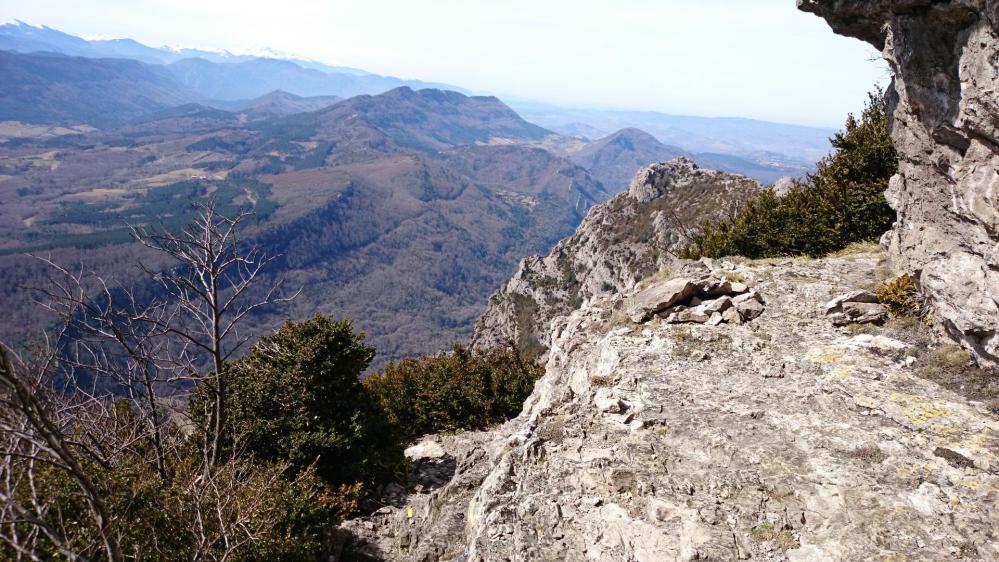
[{"x": 385, "y": 198}]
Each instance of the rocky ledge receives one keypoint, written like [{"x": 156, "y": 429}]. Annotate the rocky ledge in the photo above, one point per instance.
[{"x": 784, "y": 438}]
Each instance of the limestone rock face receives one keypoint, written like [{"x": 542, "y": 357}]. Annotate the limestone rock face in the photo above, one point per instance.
[
  {"x": 781, "y": 439},
  {"x": 618, "y": 244},
  {"x": 945, "y": 103}
]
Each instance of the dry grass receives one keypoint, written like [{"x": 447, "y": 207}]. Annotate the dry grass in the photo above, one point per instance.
[
  {"x": 766, "y": 532},
  {"x": 601, "y": 380},
  {"x": 951, "y": 366},
  {"x": 857, "y": 248},
  {"x": 656, "y": 278},
  {"x": 870, "y": 454},
  {"x": 733, "y": 276}
]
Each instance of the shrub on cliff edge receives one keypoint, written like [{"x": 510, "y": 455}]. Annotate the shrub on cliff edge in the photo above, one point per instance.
[
  {"x": 462, "y": 389},
  {"x": 841, "y": 203}
]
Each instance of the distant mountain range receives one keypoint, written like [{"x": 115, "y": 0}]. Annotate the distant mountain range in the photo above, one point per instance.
[
  {"x": 402, "y": 211},
  {"x": 214, "y": 75},
  {"x": 763, "y": 141},
  {"x": 761, "y": 149},
  {"x": 25, "y": 38},
  {"x": 56, "y": 89}
]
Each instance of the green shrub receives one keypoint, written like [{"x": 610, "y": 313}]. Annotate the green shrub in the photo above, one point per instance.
[
  {"x": 842, "y": 203},
  {"x": 297, "y": 398},
  {"x": 457, "y": 390},
  {"x": 899, "y": 296}
]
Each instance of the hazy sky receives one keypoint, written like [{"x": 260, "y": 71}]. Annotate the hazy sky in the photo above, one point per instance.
[{"x": 748, "y": 58}]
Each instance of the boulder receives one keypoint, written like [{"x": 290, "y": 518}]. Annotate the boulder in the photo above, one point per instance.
[
  {"x": 717, "y": 305},
  {"x": 859, "y": 313},
  {"x": 644, "y": 305},
  {"x": 860, "y": 296},
  {"x": 856, "y": 307},
  {"x": 732, "y": 316},
  {"x": 749, "y": 308},
  {"x": 425, "y": 450}
]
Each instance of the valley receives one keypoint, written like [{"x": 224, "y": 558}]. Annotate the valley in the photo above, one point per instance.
[{"x": 395, "y": 205}]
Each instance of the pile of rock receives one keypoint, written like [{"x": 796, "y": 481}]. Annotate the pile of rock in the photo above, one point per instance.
[
  {"x": 856, "y": 307},
  {"x": 704, "y": 300}
]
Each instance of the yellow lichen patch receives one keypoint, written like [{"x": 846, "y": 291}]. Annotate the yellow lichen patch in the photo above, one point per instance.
[
  {"x": 969, "y": 483},
  {"x": 976, "y": 441},
  {"x": 827, "y": 358},
  {"x": 922, "y": 414}
]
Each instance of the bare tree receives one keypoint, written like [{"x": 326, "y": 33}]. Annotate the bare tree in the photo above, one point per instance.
[
  {"x": 218, "y": 510},
  {"x": 211, "y": 290},
  {"x": 116, "y": 339},
  {"x": 37, "y": 426},
  {"x": 92, "y": 400}
]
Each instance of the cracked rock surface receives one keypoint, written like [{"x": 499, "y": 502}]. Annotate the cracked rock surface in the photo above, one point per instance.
[
  {"x": 944, "y": 102},
  {"x": 785, "y": 438}
]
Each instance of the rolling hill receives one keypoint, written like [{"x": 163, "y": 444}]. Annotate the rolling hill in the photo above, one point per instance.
[
  {"x": 614, "y": 159},
  {"x": 59, "y": 89},
  {"x": 402, "y": 211}
]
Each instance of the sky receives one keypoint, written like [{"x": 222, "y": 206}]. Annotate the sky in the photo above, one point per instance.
[{"x": 761, "y": 59}]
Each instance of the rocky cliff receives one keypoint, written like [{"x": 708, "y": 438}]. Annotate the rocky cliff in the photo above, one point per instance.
[
  {"x": 619, "y": 243},
  {"x": 945, "y": 106},
  {"x": 786, "y": 437}
]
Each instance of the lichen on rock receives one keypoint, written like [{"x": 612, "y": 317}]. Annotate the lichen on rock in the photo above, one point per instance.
[{"x": 784, "y": 439}]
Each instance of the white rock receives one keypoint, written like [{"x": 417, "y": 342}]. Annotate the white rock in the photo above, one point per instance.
[{"x": 425, "y": 450}]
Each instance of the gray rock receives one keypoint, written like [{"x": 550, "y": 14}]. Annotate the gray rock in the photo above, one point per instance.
[
  {"x": 693, "y": 315},
  {"x": 749, "y": 309},
  {"x": 732, "y": 316},
  {"x": 856, "y": 307},
  {"x": 619, "y": 243},
  {"x": 644, "y": 305},
  {"x": 695, "y": 453},
  {"x": 718, "y": 305},
  {"x": 858, "y": 296},
  {"x": 860, "y": 313},
  {"x": 425, "y": 450},
  {"x": 944, "y": 101}
]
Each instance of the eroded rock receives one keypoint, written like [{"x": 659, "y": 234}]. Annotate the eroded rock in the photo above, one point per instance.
[
  {"x": 944, "y": 101},
  {"x": 785, "y": 439},
  {"x": 856, "y": 307},
  {"x": 702, "y": 300},
  {"x": 619, "y": 243}
]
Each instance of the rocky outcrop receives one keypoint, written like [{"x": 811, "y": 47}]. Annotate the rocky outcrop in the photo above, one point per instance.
[
  {"x": 945, "y": 103},
  {"x": 782, "y": 439},
  {"x": 619, "y": 243},
  {"x": 706, "y": 299},
  {"x": 856, "y": 307}
]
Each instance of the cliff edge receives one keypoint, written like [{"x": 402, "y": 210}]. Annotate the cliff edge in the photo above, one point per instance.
[
  {"x": 619, "y": 243},
  {"x": 784, "y": 437}
]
